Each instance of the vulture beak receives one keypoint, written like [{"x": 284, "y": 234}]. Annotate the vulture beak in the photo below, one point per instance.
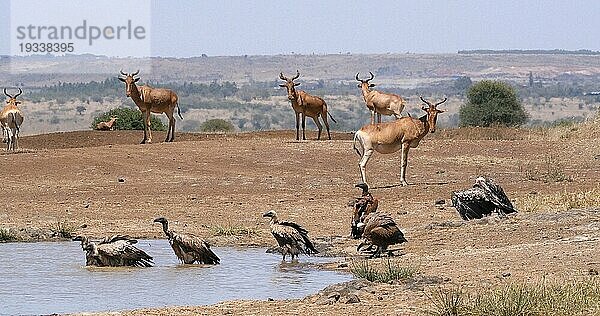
[{"x": 268, "y": 214}]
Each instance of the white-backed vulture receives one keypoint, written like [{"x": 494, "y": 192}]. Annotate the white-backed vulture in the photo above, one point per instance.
[
  {"x": 486, "y": 197},
  {"x": 114, "y": 251},
  {"x": 291, "y": 237},
  {"x": 189, "y": 249},
  {"x": 363, "y": 206},
  {"x": 380, "y": 230}
]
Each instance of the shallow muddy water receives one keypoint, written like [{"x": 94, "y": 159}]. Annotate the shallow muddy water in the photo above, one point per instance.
[{"x": 50, "y": 277}]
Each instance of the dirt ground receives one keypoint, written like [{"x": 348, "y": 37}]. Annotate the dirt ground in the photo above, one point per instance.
[{"x": 202, "y": 181}]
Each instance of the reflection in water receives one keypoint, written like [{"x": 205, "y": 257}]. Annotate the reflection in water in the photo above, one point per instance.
[{"x": 50, "y": 278}]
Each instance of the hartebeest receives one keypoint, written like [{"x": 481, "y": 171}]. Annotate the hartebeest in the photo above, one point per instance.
[
  {"x": 108, "y": 125},
  {"x": 379, "y": 102},
  {"x": 11, "y": 119},
  {"x": 155, "y": 100},
  {"x": 389, "y": 137},
  {"x": 305, "y": 105}
]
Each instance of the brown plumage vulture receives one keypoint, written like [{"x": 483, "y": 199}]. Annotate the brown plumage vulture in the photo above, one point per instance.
[
  {"x": 189, "y": 249},
  {"x": 363, "y": 206},
  {"x": 114, "y": 251},
  {"x": 291, "y": 237},
  {"x": 380, "y": 230},
  {"x": 486, "y": 197}
]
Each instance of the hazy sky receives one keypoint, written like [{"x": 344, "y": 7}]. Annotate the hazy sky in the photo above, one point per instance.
[{"x": 191, "y": 27}]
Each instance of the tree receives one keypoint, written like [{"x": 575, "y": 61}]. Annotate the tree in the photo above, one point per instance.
[
  {"x": 129, "y": 119},
  {"x": 492, "y": 102},
  {"x": 217, "y": 125},
  {"x": 80, "y": 109}
]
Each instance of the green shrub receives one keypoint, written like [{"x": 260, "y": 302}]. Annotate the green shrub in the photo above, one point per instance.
[
  {"x": 129, "y": 119},
  {"x": 492, "y": 103},
  {"x": 216, "y": 125}
]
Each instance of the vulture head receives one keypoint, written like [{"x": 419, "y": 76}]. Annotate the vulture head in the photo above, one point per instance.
[
  {"x": 364, "y": 187},
  {"x": 161, "y": 220},
  {"x": 270, "y": 214}
]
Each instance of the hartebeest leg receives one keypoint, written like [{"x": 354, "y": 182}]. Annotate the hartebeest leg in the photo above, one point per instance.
[
  {"x": 326, "y": 124},
  {"x": 147, "y": 129},
  {"x": 171, "y": 129},
  {"x": 404, "y": 162},
  {"x": 297, "y": 126},
  {"x": 319, "y": 126},
  {"x": 363, "y": 163},
  {"x": 303, "y": 126},
  {"x": 378, "y": 117},
  {"x": 373, "y": 116}
]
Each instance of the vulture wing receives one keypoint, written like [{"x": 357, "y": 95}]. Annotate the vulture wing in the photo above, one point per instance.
[
  {"x": 290, "y": 233},
  {"x": 472, "y": 203},
  {"x": 381, "y": 229},
  {"x": 123, "y": 253},
  {"x": 495, "y": 194},
  {"x": 196, "y": 247}
]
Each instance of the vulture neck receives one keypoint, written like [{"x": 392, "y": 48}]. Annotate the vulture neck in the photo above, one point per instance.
[
  {"x": 274, "y": 220},
  {"x": 165, "y": 226}
]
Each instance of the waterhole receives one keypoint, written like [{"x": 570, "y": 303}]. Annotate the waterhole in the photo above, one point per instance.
[{"x": 50, "y": 277}]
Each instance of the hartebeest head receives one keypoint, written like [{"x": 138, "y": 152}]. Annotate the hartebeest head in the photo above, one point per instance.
[
  {"x": 364, "y": 84},
  {"x": 12, "y": 100},
  {"x": 432, "y": 113},
  {"x": 290, "y": 84},
  {"x": 129, "y": 80}
]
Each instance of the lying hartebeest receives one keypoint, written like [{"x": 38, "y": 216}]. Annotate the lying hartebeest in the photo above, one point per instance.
[
  {"x": 155, "y": 100},
  {"x": 11, "y": 119},
  {"x": 108, "y": 125},
  {"x": 305, "y": 105},
  {"x": 379, "y": 102},
  {"x": 386, "y": 138}
]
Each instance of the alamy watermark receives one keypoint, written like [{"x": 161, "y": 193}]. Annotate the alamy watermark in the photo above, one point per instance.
[{"x": 112, "y": 28}]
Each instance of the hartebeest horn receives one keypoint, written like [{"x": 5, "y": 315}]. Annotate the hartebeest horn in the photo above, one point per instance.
[
  {"x": 282, "y": 77},
  {"x": 8, "y": 95},
  {"x": 297, "y": 75},
  {"x": 441, "y": 102},
  {"x": 121, "y": 71},
  {"x": 18, "y": 94},
  {"x": 372, "y": 76},
  {"x": 135, "y": 73},
  {"x": 358, "y": 79},
  {"x": 427, "y": 102}
]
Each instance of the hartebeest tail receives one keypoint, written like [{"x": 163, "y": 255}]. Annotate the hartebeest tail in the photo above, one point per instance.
[
  {"x": 379, "y": 102},
  {"x": 387, "y": 138},
  {"x": 152, "y": 100},
  {"x": 11, "y": 118},
  {"x": 305, "y": 105}
]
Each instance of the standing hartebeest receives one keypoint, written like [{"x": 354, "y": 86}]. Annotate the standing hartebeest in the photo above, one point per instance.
[
  {"x": 305, "y": 105},
  {"x": 379, "y": 102},
  {"x": 156, "y": 100},
  {"x": 11, "y": 119},
  {"x": 403, "y": 133}
]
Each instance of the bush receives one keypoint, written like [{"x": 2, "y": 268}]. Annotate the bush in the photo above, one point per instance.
[
  {"x": 129, "y": 119},
  {"x": 492, "y": 103},
  {"x": 217, "y": 125}
]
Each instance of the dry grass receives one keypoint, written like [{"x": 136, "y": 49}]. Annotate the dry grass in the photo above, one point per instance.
[
  {"x": 233, "y": 230},
  {"x": 543, "y": 298},
  {"x": 6, "y": 234},
  {"x": 552, "y": 170},
  {"x": 560, "y": 201},
  {"x": 385, "y": 271}
]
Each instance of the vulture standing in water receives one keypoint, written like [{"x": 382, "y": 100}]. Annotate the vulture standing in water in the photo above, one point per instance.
[
  {"x": 380, "y": 230},
  {"x": 363, "y": 206},
  {"x": 114, "y": 251},
  {"x": 291, "y": 237},
  {"x": 485, "y": 198},
  {"x": 189, "y": 249}
]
